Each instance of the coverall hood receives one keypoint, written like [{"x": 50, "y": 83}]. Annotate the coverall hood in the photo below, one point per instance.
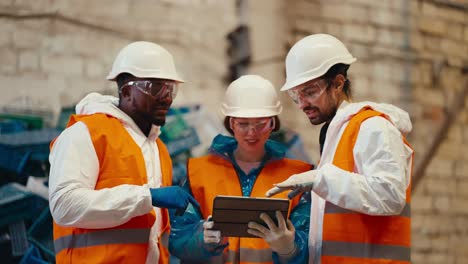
[
  {"x": 97, "y": 103},
  {"x": 398, "y": 116}
]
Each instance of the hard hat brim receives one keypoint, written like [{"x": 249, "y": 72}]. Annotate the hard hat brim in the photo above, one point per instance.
[
  {"x": 251, "y": 113},
  {"x": 308, "y": 76}
]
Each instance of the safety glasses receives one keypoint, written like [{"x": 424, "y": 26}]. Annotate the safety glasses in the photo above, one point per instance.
[
  {"x": 155, "y": 88},
  {"x": 244, "y": 125},
  {"x": 310, "y": 92}
]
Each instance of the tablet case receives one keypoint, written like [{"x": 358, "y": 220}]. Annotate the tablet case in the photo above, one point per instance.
[{"x": 231, "y": 214}]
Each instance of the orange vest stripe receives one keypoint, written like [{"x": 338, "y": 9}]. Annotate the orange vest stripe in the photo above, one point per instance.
[
  {"x": 352, "y": 237},
  {"x": 118, "y": 155},
  {"x": 212, "y": 175},
  {"x": 392, "y": 229}
]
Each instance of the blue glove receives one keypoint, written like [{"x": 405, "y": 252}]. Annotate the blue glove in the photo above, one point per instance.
[{"x": 172, "y": 197}]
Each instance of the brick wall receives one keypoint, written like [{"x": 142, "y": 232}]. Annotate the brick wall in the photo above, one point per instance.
[
  {"x": 410, "y": 53},
  {"x": 440, "y": 216},
  {"x": 56, "y": 51}
]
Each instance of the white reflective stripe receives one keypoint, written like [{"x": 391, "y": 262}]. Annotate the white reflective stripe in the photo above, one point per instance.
[
  {"x": 334, "y": 209},
  {"x": 103, "y": 237},
  {"x": 364, "y": 250}
]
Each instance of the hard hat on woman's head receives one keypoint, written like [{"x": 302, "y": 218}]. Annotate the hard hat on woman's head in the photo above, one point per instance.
[
  {"x": 144, "y": 59},
  {"x": 251, "y": 96},
  {"x": 312, "y": 56}
]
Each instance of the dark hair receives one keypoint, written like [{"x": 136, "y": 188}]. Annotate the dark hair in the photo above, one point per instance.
[
  {"x": 342, "y": 69},
  {"x": 123, "y": 78},
  {"x": 228, "y": 127}
]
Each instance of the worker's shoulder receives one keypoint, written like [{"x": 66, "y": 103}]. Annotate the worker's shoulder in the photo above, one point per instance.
[
  {"x": 97, "y": 121},
  {"x": 379, "y": 128},
  {"x": 378, "y": 123},
  {"x": 207, "y": 158},
  {"x": 294, "y": 163},
  {"x": 95, "y": 118}
]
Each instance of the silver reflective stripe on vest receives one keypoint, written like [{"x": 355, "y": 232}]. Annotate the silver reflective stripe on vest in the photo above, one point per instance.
[
  {"x": 232, "y": 256},
  {"x": 250, "y": 255},
  {"x": 103, "y": 237},
  {"x": 255, "y": 255},
  {"x": 363, "y": 250},
  {"x": 165, "y": 239},
  {"x": 334, "y": 209}
]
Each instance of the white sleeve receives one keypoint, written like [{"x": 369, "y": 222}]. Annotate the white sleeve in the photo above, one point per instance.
[
  {"x": 73, "y": 175},
  {"x": 382, "y": 163}
]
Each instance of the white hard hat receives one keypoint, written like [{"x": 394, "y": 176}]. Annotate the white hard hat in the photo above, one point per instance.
[
  {"x": 312, "y": 57},
  {"x": 251, "y": 96},
  {"x": 144, "y": 59}
]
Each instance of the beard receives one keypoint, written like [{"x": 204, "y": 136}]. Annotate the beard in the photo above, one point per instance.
[
  {"x": 149, "y": 115},
  {"x": 325, "y": 114},
  {"x": 159, "y": 121}
]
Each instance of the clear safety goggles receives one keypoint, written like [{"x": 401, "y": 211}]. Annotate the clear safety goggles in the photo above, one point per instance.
[
  {"x": 310, "y": 92},
  {"x": 156, "y": 88},
  {"x": 244, "y": 125}
]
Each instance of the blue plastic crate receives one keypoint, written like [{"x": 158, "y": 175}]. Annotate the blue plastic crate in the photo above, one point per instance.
[
  {"x": 40, "y": 234},
  {"x": 19, "y": 241},
  {"x": 12, "y": 160},
  {"x": 8, "y": 126},
  {"x": 181, "y": 110},
  {"x": 188, "y": 141},
  {"x": 64, "y": 117},
  {"x": 179, "y": 173},
  {"x": 17, "y": 203},
  {"x": 174, "y": 129},
  {"x": 33, "y": 256},
  {"x": 36, "y": 141},
  {"x": 30, "y": 120}
]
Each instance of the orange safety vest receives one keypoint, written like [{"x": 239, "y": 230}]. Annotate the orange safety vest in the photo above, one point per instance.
[
  {"x": 351, "y": 237},
  {"x": 212, "y": 175},
  {"x": 120, "y": 162}
]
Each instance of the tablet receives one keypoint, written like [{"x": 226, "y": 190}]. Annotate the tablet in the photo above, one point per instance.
[{"x": 231, "y": 214}]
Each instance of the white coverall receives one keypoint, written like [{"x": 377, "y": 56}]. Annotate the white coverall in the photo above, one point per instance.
[
  {"x": 382, "y": 169},
  {"x": 75, "y": 169}
]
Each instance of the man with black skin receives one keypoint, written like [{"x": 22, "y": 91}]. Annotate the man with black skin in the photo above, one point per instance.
[{"x": 110, "y": 178}]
